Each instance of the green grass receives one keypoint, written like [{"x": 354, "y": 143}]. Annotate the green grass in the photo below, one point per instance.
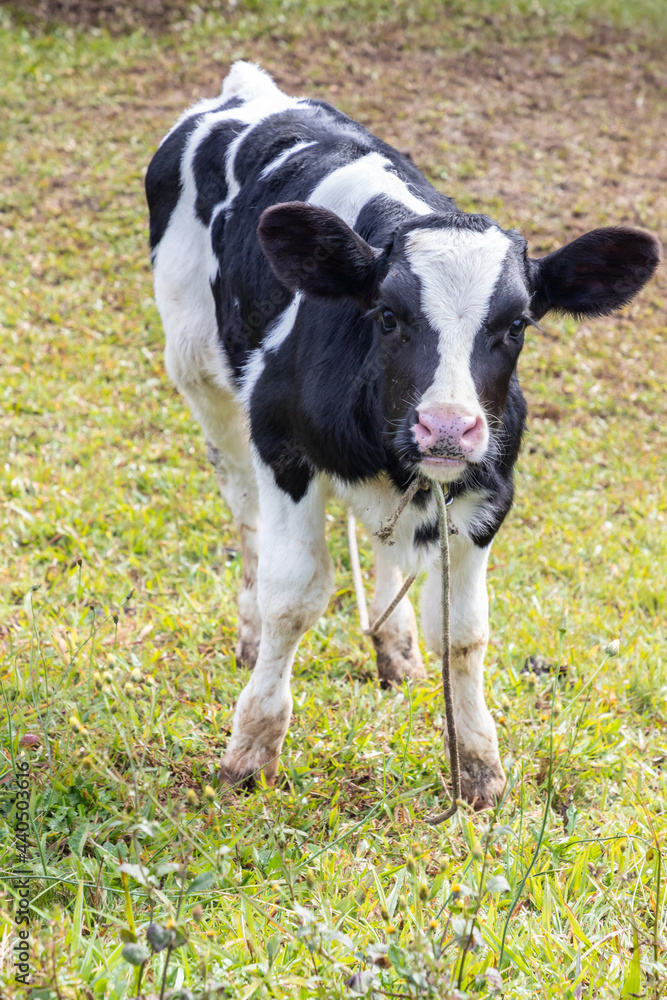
[
  {"x": 543, "y": 15},
  {"x": 119, "y": 586},
  {"x": 241, "y": 18}
]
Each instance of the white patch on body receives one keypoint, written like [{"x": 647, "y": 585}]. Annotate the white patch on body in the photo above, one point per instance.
[
  {"x": 251, "y": 373},
  {"x": 473, "y": 512},
  {"x": 349, "y": 188},
  {"x": 281, "y": 329},
  {"x": 278, "y": 332},
  {"x": 458, "y": 270},
  {"x": 248, "y": 115},
  {"x": 276, "y": 335},
  {"x": 183, "y": 265},
  {"x": 274, "y": 165},
  {"x": 375, "y": 501}
]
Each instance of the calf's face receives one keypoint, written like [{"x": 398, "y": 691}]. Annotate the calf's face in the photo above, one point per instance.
[
  {"x": 451, "y": 298},
  {"x": 452, "y": 309}
]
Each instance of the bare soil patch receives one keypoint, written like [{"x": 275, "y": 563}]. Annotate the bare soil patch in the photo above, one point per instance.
[
  {"x": 554, "y": 137},
  {"x": 154, "y": 14}
]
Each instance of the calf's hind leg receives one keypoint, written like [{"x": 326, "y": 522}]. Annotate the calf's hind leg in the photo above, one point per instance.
[
  {"x": 397, "y": 643},
  {"x": 295, "y": 579},
  {"x": 482, "y": 775},
  {"x": 229, "y": 453}
]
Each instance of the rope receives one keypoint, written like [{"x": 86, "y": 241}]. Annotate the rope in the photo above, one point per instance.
[
  {"x": 386, "y": 531},
  {"x": 387, "y": 611},
  {"x": 385, "y": 534},
  {"x": 446, "y": 665}
]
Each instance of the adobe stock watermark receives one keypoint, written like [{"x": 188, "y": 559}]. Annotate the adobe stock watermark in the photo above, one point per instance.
[{"x": 20, "y": 874}]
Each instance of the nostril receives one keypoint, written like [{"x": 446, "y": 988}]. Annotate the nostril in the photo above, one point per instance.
[
  {"x": 427, "y": 422},
  {"x": 424, "y": 434},
  {"x": 474, "y": 431}
]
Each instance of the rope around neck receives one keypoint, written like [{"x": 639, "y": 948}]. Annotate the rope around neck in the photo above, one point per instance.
[{"x": 385, "y": 534}]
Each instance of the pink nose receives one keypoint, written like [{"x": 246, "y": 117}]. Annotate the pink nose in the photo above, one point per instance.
[{"x": 448, "y": 431}]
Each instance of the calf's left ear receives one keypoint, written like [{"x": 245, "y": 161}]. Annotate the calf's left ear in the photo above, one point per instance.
[
  {"x": 595, "y": 274},
  {"x": 312, "y": 250}
]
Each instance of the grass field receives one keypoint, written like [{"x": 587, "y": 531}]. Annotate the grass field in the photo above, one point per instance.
[{"x": 121, "y": 570}]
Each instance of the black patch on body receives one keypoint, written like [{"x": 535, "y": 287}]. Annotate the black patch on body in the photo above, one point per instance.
[
  {"x": 209, "y": 167},
  {"x": 163, "y": 178},
  {"x": 293, "y": 413}
]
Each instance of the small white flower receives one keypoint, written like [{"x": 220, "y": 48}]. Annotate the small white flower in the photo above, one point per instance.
[{"x": 613, "y": 648}]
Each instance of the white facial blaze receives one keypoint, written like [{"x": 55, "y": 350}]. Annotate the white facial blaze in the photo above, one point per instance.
[{"x": 458, "y": 270}]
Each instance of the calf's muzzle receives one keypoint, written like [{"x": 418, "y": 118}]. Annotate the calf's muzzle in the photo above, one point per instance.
[{"x": 449, "y": 433}]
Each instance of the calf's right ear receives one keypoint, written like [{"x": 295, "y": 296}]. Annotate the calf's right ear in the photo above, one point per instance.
[{"x": 312, "y": 250}]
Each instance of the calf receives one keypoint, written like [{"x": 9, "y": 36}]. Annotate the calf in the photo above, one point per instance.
[{"x": 338, "y": 327}]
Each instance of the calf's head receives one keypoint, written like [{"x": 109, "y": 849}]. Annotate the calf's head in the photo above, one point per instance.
[{"x": 451, "y": 297}]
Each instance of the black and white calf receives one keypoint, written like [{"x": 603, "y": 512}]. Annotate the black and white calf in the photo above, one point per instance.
[{"x": 338, "y": 326}]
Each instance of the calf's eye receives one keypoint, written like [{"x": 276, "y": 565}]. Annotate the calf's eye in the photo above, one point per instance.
[
  {"x": 517, "y": 328},
  {"x": 388, "y": 321}
]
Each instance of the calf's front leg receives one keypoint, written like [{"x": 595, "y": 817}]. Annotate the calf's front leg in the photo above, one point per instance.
[
  {"x": 294, "y": 581},
  {"x": 482, "y": 775}
]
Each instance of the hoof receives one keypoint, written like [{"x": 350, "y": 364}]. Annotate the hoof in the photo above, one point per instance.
[
  {"x": 482, "y": 783},
  {"x": 237, "y": 779},
  {"x": 397, "y": 662},
  {"x": 242, "y": 771},
  {"x": 246, "y": 652}
]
